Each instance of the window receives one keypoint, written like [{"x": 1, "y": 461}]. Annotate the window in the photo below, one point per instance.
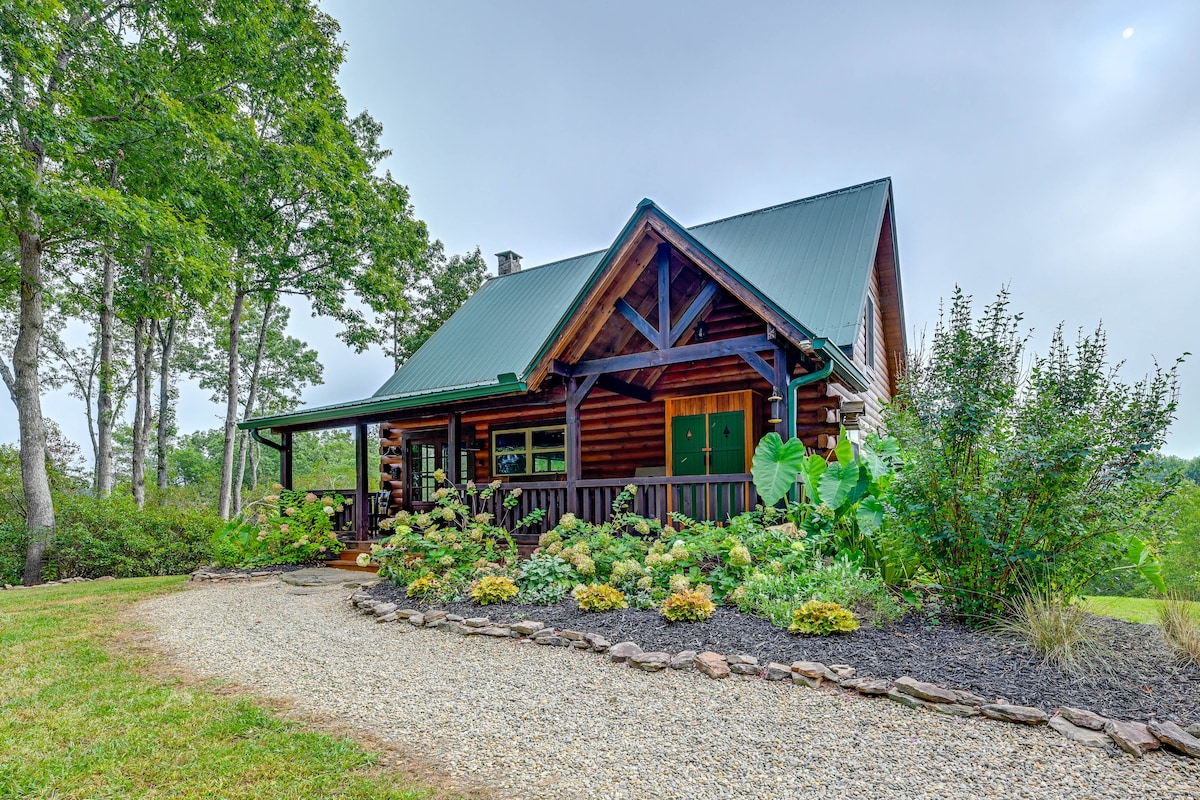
[
  {"x": 529, "y": 451},
  {"x": 869, "y": 321}
]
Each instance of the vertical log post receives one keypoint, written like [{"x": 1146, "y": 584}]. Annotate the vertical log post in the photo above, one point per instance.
[
  {"x": 362, "y": 514},
  {"x": 285, "y": 460},
  {"x": 664, "y": 296},
  {"x": 574, "y": 444},
  {"x": 783, "y": 371},
  {"x": 453, "y": 447}
]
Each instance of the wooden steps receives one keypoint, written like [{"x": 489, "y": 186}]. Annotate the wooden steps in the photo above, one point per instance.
[{"x": 347, "y": 559}]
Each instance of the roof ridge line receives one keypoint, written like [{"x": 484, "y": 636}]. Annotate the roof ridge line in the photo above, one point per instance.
[
  {"x": 778, "y": 206},
  {"x": 535, "y": 267}
]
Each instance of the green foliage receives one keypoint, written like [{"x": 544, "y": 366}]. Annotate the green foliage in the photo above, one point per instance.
[
  {"x": 775, "y": 466},
  {"x": 545, "y": 579},
  {"x": 692, "y": 605},
  {"x": 493, "y": 589},
  {"x": 776, "y": 595},
  {"x": 599, "y": 597},
  {"x": 817, "y": 618},
  {"x": 1063, "y": 632},
  {"x": 457, "y": 541},
  {"x": 110, "y": 536},
  {"x": 1181, "y": 546},
  {"x": 426, "y": 587},
  {"x": 289, "y": 528},
  {"x": 1023, "y": 470},
  {"x": 1179, "y": 620}
]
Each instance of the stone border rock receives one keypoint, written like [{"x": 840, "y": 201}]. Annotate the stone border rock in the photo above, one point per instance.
[
  {"x": 1078, "y": 725},
  {"x": 61, "y": 582}
]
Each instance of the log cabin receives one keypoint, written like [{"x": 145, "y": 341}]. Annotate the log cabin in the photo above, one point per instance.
[{"x": 658, "y": 361}]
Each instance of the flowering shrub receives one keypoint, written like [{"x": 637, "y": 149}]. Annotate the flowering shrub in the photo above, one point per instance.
[
  {"x": 821, "y": 619},
  {"x": 457, "y": 541},
  {"x": 690, "y": 605},
  {"x": 425, "y": 587},
  {"x": 290, "y": 527},
  {"x": 599, "y": 597},
  {"x": 493, "y": 589}
]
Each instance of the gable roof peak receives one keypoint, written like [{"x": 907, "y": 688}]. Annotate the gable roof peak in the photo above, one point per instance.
[{"x": 858, "y": 187}]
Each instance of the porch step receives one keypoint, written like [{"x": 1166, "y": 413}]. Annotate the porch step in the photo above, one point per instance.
[
  {"x": 347, "y": 559},
  {"x": 350, "y": 565}
]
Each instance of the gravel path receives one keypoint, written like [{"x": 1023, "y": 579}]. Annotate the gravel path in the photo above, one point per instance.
[{"x": 541, "y": 722}]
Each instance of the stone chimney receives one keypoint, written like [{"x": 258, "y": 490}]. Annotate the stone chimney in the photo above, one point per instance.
[{"x": 510, "y": 262}]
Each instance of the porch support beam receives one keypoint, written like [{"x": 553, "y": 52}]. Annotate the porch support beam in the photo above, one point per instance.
[
  {"x": 637, "y": 320},
  {"x": 783, "y": 370},
  {"x": 664, "y": 296},
  {"x": 662, "y": 358},
  {"x": 361, "y": 521},
  {"x": 453, "y": 446},
  {"x": 706, "y": 295},
  {"x": 574, "y": 444},
  {"x": 285, "y": 460},
  {"x": 618, "y": 386},
  {"x": 759, "y": 364}
]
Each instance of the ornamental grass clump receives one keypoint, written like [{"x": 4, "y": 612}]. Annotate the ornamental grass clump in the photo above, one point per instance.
[
  {"x": 1179, "y": 620},
  {"x": 691, "y": 605},
  {"x": 493, "y": 589},
  {"x": 1063, "y": 633},
  {"x": 818, "y": 618},
  {"x": 599, "y": 597}
]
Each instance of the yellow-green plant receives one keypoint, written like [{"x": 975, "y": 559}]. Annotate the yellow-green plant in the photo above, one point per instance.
[
  {"x": 1064, "y": 633},
  {"x": 692, "y": 605},
  {"x": 1179, "y": 620},
  {"x": 493, "y": 589},
  {"x": 821, "y": 619},
  {"x": 599, "y": 597},
  {"x": 425, "y": 586}
]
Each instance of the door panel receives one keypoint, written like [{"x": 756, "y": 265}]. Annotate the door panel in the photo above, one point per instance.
[
  {"x": 727, "y": 438},
  {"x": 688, "y": 445}
]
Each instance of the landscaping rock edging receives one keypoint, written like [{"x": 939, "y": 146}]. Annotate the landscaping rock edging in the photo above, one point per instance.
[
  {"x": 60, "y": 582},
  {"x": 1077, "y": 725}
]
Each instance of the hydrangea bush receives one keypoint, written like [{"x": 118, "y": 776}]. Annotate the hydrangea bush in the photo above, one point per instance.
[{"x": 290, "y": 527}]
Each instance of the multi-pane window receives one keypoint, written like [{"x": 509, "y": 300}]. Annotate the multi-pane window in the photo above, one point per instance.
[{"x": 529, "y": 451}]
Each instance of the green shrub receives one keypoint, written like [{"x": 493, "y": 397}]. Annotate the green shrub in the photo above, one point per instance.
[
  {"x": 493, "y": 589},
  {"x": 599, "y": 597},
  {"x": 692, "y": 605},
  {"x": 14, "y": 542},
  {"x": 1064, "y": 633},
  {"x": 425, "y": 587},
  {"x": 818, "y": 618},
  {"x": 776, "y": 595},
  {"x": 545, "y": 579},
  {"x": 292, "y": 527},
  {"x": 1179, "y": 620},
  {"x": 1024, "y": 470}
]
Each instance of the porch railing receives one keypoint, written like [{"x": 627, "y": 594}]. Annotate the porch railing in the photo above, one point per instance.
[
  {"x": 344, "y": 521},
  {"x": 708, "y": 498}
]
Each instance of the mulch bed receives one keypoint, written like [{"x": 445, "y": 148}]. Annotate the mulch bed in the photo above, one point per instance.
[{"x": 1145, "y": 683}]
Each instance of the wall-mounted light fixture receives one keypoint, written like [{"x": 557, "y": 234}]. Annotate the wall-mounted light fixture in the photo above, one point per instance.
[{"x": 701, "y": 331}]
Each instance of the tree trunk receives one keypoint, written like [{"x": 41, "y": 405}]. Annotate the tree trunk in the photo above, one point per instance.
[
  {"x": 251, "y": 399},
  {"x": 166, "y": 412},
  {"x": 143, "y": 361},
  {"x": 231, "y": 406},
  {"x": 104, "y": 393},
  {"x": 35, "y": 479}
]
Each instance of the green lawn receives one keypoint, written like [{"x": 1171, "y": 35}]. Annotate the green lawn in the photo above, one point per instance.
[
  {"x": 1133, "y": 609},
  {"x": 81, "y": 719}
]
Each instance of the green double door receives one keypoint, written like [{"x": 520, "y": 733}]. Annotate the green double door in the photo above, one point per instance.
[{"x": 708, "y": 444}]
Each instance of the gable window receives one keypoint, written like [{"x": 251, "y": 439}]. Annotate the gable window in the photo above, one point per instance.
[
  {"x": 870, "y": 323},
  {"x": 536, "y": 450}
]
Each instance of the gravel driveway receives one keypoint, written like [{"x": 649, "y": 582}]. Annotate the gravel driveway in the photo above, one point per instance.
[{"x": 549, "y": 722}]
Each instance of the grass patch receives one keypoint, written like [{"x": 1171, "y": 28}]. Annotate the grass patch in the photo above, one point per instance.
[
  {"x": 1130, "y": 609},
  {"x": 79, "y": 719}
]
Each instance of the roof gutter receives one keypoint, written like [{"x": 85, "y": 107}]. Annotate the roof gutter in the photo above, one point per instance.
[{"x": 383, "y": 405}]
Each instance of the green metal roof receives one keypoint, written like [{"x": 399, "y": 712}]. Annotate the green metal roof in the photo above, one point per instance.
[{"x": 811, "y": 259}]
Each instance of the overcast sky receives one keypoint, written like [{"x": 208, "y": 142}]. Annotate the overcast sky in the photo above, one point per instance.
[{"x": 1045, "y": 146}]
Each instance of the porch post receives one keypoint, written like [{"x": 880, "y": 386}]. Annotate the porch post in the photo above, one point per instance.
[
  {"x": 362, "y": 513},
  {"x": 285, "y": 460},
  {"x": 783, "y": 370},
  {"x": 453, "y": 447},
  {"x": 574, "y": 442}
]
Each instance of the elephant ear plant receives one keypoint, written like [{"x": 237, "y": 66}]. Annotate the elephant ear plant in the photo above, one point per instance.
[{"x": 842, "y": 501}]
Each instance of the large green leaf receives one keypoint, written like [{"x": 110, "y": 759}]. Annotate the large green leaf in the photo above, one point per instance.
[
  {"x": 775, "y": 467},
  {"x": 1145, "y": 562},
  {"x": 836, "y": 484},
  {"x": 811, "y": 471},
  {"x": 844, "y": 449}
]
